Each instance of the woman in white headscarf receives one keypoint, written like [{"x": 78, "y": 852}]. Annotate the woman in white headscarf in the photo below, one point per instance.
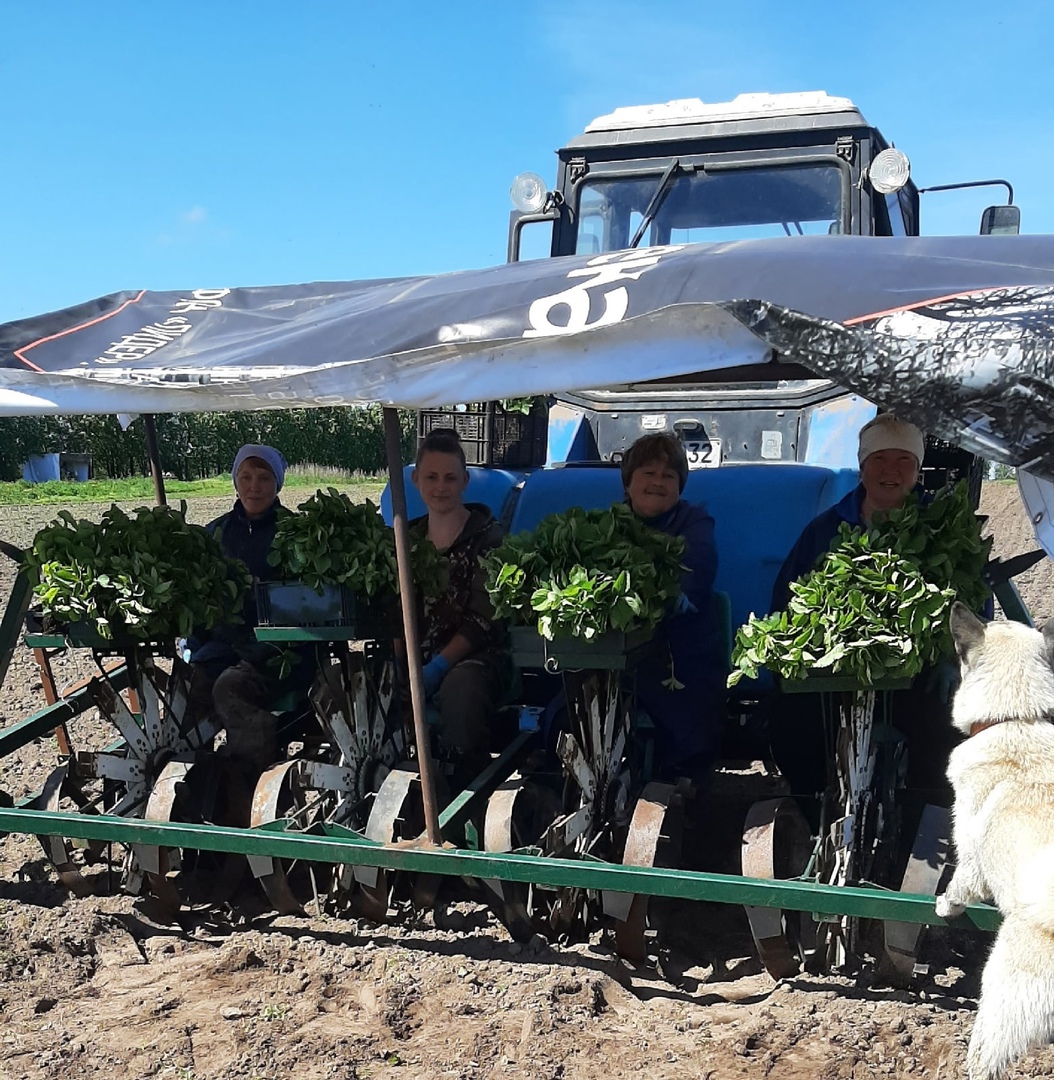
[
  {"x": 230, "y": 672},
  {"x": 890, "y": 456}
]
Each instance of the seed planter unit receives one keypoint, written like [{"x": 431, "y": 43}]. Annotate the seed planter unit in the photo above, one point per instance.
[
  {"x": 599, "y": 805},
  {"x": 859, "y": 824},
  {"x": 137, "y": 775}
]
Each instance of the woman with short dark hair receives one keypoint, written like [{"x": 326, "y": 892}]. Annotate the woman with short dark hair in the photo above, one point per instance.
[{"x": 689, "y": 719}]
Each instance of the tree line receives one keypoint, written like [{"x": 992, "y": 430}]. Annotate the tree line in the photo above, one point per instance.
[{"x": 196, "y": 445}]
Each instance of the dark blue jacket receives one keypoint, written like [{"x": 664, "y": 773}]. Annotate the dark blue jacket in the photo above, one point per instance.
[
  {"x": 250, "y": 541},
  {"x": 815, "y": 541},
  {"x": 688, "y": 722}
]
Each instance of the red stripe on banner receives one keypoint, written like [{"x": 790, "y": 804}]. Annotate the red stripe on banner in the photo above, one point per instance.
[
  {"x": 924, "y": 303},
  {"x": 73, "y": 329}
]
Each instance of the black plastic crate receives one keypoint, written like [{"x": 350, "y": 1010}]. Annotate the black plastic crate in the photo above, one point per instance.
[
  {"x": 945, "y": 463},
  {"x": 292, "y": 603},
  {"x": 492, "y": 436}
]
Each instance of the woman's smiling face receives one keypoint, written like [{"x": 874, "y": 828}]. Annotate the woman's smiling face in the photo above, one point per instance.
[
  {"x": 441, "y": 479},
  {"x": 888, "y": 476},
  {"x": 653, "y": 488},
  {"x": 256, "y": 487}
]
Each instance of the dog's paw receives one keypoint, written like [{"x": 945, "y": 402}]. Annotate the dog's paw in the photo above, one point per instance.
[{"x": 946, "y": 909}]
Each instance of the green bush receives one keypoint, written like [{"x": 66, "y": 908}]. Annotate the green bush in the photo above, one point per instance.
[{"x": 196, "y": 445}]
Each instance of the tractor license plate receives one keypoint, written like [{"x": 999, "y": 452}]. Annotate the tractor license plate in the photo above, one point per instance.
[{"x": 703, "y": 454}]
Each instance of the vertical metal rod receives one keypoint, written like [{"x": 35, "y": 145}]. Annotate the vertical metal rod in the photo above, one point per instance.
[
  {"x": 155, "y": 459},
  {"x": 393, "y": 451},
  {"x": 488, "y": 433}
]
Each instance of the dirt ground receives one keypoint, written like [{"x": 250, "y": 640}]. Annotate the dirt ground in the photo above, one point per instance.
[{"x": 94, "y": 986}]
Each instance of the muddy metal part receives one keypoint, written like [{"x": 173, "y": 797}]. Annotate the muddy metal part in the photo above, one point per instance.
[
  {"x": 363, "y": 742},
  {"x": 594, "y": 809},
  {"x": 137, "y": 775},
  {"x": 857, "y": 822}
]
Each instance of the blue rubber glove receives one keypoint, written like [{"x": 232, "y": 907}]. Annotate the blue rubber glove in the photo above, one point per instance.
[
  {"x": 683, "y": 606},
  {"x": 434, "y": 673}
]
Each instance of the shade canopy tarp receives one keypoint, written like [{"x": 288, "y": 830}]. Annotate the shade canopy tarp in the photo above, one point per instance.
[{"x": 954, "y": 333}]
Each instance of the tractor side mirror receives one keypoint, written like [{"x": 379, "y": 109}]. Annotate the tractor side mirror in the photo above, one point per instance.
[{"x": 1001, "y": 221}]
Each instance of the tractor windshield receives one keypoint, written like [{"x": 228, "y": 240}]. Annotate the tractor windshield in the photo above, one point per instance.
[{"x": 715, "y": 203}]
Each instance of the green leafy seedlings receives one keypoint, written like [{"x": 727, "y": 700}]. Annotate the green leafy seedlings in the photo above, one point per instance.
[
  {"x": 585, "y": 572},
  {"x": 332, "y": 541},
  {"x": 126, "y": 574},
  {"x": 522, "y": 405},
  {"x": 877, "y": 605}
]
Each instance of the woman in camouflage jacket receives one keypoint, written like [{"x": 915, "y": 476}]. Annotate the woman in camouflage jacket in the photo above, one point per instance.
[{"x": 464, "y": 648}]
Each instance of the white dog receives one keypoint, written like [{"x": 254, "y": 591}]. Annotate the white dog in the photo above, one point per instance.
[{"x": 1003, "y": 776}]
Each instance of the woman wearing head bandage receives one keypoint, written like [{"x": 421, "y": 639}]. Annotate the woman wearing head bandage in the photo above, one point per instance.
[
  {"x": 689, "y": 721},
  {"x": 231, "y": 676},
  {"x": 890, "y": 456}
]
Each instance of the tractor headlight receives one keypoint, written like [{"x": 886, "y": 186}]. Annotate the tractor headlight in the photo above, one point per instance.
[
  {"x": 889, "y": 171},
  {"x": 528, "y": 193}
]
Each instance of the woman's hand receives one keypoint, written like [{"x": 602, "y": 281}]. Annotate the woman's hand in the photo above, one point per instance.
[
  {"x": 683, "y": 606},
  {"x": 434, "y": 673}
]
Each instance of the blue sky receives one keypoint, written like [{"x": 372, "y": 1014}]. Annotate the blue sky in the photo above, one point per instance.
[{"x": 181, "y": 145}]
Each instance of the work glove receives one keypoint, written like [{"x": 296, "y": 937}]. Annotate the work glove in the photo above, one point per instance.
[
  {"x": 683, "y": 606},
  {"x": 434, "y": 673}
]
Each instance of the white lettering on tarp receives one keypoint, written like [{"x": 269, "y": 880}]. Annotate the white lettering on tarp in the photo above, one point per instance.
[
  {"x": 144, "y": 342},
  {"x": 200, "y": 300},
  {"x": 149, "y": 339},
  {"x": 596, "y": 274}
]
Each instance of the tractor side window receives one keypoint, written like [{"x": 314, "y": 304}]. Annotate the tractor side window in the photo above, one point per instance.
[{"x": 897, "y": 224}]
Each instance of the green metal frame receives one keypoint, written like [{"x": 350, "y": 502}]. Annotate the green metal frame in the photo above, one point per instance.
[
  {"x": 47, "y": 719},
  {"x": 340, "y": 845}
]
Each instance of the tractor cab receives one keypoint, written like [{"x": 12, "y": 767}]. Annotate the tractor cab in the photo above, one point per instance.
[{"x": 762, "y": 167}]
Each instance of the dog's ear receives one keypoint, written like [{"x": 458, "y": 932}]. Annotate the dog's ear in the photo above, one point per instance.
[
  {"x": 967, "y": 629},
  {"x": 1048, "y": 639}
]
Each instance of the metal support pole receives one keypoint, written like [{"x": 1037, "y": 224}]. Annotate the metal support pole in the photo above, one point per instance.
[
  {"x": 13, "y": 622},
  {"x": 393, "y": 451},
  {"x": 155, "y": 459}
]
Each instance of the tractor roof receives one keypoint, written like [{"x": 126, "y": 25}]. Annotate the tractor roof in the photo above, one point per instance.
[{"x": 690, "y": 117}]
